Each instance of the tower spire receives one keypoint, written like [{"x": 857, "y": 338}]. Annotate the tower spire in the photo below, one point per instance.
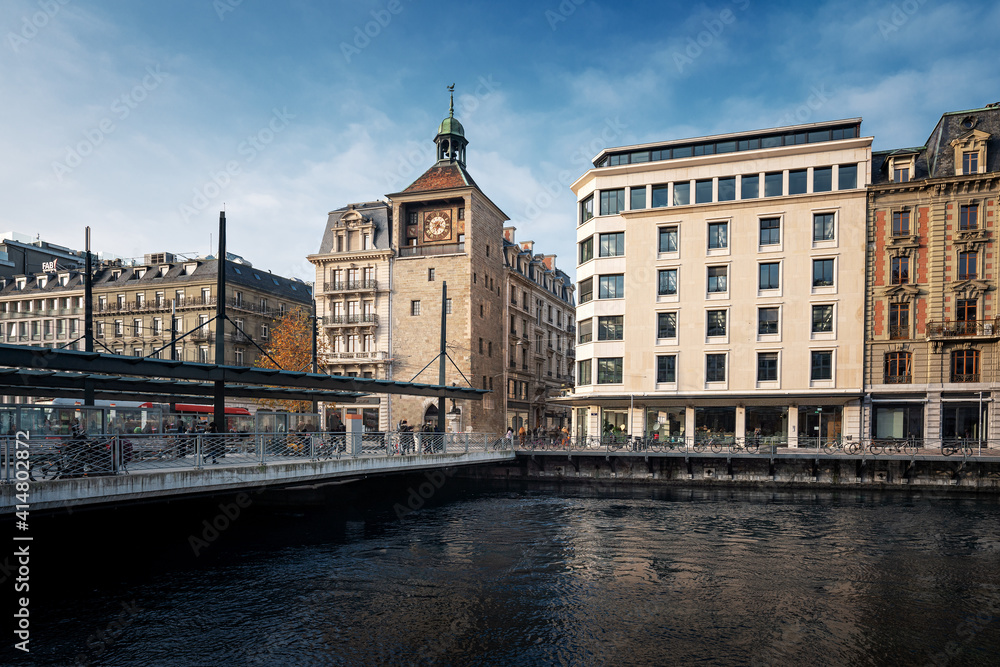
[{"x": 451, "y": 108}]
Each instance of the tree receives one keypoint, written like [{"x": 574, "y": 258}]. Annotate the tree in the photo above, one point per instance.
[{"x": 290, "y": 345}]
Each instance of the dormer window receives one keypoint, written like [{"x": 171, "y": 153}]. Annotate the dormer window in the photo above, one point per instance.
[
  {"x": 139, "y": 273},
  {"x": 21, "y": 282},
  {"x": 42, "y": 281},
  {"x": 115, "y": 275},
  {"x": 189, "y": 268},
  {"x": 970, "y": 153},
  {"x": 902, "y": 168},
  {"x": 163, "y": 270},
  {"x": 64, "y": 279}
]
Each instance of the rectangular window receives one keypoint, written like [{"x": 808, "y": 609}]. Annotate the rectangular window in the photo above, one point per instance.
[
  {"x": 666, "y": 368},
  {"x": 822, "y": 179},
  {"x": 411, "y": 218},
  {"x": 897, "y": 368},
  {"x": 668, "y": 239},
  {"x": 900, "y": 270},
  {"x": 716, "y": 323},
  {"x": 682, "y": 194},
  {"x": 966, "y": 314},
  {"x": 970, "y": 162},
  {"x": 969, "y": 216},
  {"x": 822, "y": 318},
  {"x": 612, "y": 245},
  {"x": 823, "y": 229},
  {"x": 822, "y": 273},
  {"x": 703, "y": 192},
  {"x": 718, "y": 235},
  {"x": 667, "y": 283},
  {"x": 767, "y": 321},
  {"x": 750, "y": 186},
  {"x": 609, "y": 327},
  {"x": 717, "y": 278},
  {"x": 770, "y": 231},
  {"x": 767, "y": 366},
  {"x": 900, "y": 223},
  {"x": 965, "y": 366},
  {"x": 769, "y": 276},
  {"x": 899, "y": 320},
  {"x": 727, "y": 189},
  {"x": 136, "y": 327},
  {"x": 661, "y": 196},
  {"x": 967, "y": 268},
  {"x": 583, "y": 374},
  {"x": 612, "y": 201},
  {"x": 609, "y": 370},
  {"x": 666, "y": 325},
  {"x": 430, "y": 274},
  {"x": 587, "y": 209},
  {"x": 586, "y": 250},
  {"x": 821, "y": 365},
  {"x": 586, "y": 290},
  {"x": 637, "y": 198},
  {"x": 447, "y": 309},
  {"x": 773, "y": 184},
  {"x": 901, "y": 175},
  {"x": 611, "y": 287},
  {"x": 715, "y": 368},
  {"x": 265, "y": 331},
  {"x": 586, "y": 331},
  {"x": 415, "y": 307},
  {"x": 798, "y": 181},
  {"x": 847, "y": 175}
]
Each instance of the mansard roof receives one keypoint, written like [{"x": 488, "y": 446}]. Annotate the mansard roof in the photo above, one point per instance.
[{"x": 444, "y": 175}]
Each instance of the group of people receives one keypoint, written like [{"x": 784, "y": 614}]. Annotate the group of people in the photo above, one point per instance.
[{"x": 554, "y": 436}]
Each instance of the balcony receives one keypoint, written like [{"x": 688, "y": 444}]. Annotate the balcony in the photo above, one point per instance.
[
  {"x": 965, "y": 377},
  {"x": 247, "y": 306},
  {"x": 351, "y": 286},
  {"x": 430, "y": 250},
  {"x": 358, "y": 357},
  {"x": 898, "y": 379},
  {"x": 963, "y": 328},
  {"x": 897, "y": 332},
  {"x": 369, "y": 320},
  {"x": 203, "y": 335}
]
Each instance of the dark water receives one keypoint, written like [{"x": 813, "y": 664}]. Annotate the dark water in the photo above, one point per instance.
[{"x": 528, "y": 576}]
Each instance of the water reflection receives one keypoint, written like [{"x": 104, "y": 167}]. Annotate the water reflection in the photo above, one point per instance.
[{"x": 562, "y": 576}]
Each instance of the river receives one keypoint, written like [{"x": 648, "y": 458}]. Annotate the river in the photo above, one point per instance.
[{"x": 524, "y": 575}]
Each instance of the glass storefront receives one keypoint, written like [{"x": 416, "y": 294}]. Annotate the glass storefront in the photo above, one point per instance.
[
  {"x": 714, "y": 423},
  {"x": 614, "y": 424},
  {"x": 582, "y": 417},
  {"x": 963, "y": 421},
  {"x": 769, "y": 422},
  {"x": 819, "y": 424},
  {"x": 666, "y": 422},
  {"x": 898, "y": 420}
]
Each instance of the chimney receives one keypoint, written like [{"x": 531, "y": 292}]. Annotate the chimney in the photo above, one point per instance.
[
  {"x": 549, "y": 261},
  {"x": 508, "y": 233},
  {"x": 528, "y": 246}
]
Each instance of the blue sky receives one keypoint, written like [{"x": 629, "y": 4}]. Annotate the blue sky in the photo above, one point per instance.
[{"x": 142, "y": 119}]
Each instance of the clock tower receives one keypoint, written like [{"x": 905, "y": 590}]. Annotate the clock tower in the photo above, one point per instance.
[{"x": 445, "y": 229}]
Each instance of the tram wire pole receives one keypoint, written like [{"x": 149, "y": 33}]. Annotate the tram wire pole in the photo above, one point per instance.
[{"x": 220, "y": 322}]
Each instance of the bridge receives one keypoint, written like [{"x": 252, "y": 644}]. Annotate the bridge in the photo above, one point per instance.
[{"x": 63, "y": 472}]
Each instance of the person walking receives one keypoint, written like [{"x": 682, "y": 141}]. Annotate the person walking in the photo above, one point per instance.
[
  {"x": 214, "y": 446},
  {"x": 522, "y": 434}
]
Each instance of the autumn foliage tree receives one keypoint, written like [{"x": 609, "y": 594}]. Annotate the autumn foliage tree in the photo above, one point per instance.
[{"x": 290, "y": 345}]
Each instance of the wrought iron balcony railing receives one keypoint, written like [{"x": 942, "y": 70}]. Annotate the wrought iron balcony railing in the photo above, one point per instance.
[{"x": 958, "y": 328}]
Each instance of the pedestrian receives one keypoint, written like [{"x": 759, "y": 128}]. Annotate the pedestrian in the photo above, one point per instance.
[
  {"x": 522, "y": 435},
  {"x": 214, "y": 445},
  {"x": 510, "y": 436}
]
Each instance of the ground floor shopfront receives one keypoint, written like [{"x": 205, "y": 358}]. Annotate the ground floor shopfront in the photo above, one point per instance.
[
  {"x": 789, "y": 423},
  {"x": 932, "y": 415}
]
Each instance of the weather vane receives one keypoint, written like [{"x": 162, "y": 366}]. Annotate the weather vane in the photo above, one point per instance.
[{"x": 451, "y": 109}]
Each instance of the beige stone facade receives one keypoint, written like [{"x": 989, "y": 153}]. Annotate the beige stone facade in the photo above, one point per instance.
[{"x": 721, "y": 286}]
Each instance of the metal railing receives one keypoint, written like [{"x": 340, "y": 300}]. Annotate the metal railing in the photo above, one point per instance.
[
  {"x": 426, "y": 250},
  {"x": 761, "y": 445},
  {"x": 350, "y": 286},
  {"x": 952, "y": 328},
  {"x": 53, "y": 457}
]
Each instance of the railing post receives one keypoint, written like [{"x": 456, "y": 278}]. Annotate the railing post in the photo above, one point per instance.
[
  {"x": 466, "y": 442},
  {"x": 197, "y": 451}
]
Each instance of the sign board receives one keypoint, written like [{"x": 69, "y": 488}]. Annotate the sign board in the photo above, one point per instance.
[{"x": 50, "y": 267}]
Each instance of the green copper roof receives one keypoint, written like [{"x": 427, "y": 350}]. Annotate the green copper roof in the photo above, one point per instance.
[{"x": 450, "y": 125}]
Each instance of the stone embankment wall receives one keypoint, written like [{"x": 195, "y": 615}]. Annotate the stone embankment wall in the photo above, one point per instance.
[{"x": 837, "y": 472}]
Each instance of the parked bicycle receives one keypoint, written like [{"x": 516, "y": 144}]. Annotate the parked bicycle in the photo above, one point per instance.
[
  {"x": 963, "y": 447},
  {"x": 749, "y": 445}
]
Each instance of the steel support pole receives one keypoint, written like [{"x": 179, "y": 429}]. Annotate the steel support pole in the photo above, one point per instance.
[
  {"x": 443, "y": 355},
  {"x": 220, "y": 321},
  {"x": 88, "y": 316}
]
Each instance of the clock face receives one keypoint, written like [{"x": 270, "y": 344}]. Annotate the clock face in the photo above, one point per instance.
[{"x": 437, "y": 226}]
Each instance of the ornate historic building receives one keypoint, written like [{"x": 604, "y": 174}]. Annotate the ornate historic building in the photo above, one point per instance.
[
  {"x": 137, "y": 305},
  {"x": 932, "y": 327}
]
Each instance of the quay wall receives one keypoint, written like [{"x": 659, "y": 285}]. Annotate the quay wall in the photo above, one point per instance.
[{"x": 972, "y": 475}]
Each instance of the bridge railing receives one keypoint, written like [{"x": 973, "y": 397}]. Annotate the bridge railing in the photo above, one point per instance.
[
  {"x": 52, "y": 457},
  {"x": 963, "y": 448}
]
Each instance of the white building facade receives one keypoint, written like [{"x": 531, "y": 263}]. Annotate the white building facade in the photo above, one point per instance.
[{"x": 720, "y": 286}]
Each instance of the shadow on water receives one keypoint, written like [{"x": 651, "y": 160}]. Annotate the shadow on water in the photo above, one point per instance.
[{"x": 428, "y": 569}]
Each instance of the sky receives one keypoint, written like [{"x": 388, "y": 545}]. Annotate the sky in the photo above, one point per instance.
[{"x": 143, "y": 120}]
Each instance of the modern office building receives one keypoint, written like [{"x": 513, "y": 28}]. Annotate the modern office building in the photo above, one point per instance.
[
  {"x": 721, "y": 285},
  {"x": 931, "y": 315}
]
